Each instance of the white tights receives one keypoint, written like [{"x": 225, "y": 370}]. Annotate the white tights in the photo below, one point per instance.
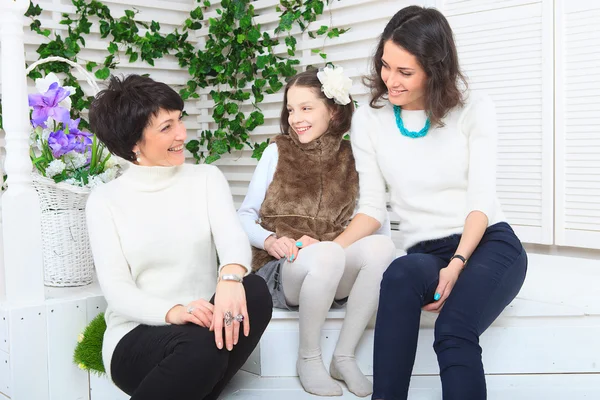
[{"x": 320, "y": 273}]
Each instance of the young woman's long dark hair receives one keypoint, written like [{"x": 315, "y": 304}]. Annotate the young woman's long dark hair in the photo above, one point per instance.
[{"x": 426, "y": 34}]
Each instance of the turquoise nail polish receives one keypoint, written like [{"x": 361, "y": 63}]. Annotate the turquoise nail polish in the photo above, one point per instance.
[
  {"x": 292, "y": 258},
  {"x": 437, "y": 296},
  {"x": 298, "y": 244}
]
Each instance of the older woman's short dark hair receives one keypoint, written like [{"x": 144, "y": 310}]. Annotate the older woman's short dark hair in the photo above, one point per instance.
[
  {"x": 342, "y": 114},
  {"x": 119, "y": 114},
  {"x": 426, "y": 34}
]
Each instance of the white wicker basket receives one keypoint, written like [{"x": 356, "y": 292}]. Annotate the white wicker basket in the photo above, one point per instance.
[{"x": 65, "y": 243}]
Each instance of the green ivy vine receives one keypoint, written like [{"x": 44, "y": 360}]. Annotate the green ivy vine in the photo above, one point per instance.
[{"x": 237, "y": 62}]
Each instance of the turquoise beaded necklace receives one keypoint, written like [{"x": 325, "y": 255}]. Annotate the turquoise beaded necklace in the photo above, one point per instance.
[{"x": 406, "y": 132}]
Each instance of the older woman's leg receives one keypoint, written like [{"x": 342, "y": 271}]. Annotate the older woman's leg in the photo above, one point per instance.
[
  {"x": 366, "y": 261},
  {"x": 182, "y": 361}
]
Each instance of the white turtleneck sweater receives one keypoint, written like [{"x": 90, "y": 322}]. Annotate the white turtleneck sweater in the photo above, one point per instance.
[
  {"x": 434, "y": 181},
  {"x": 153, "y": 233}
]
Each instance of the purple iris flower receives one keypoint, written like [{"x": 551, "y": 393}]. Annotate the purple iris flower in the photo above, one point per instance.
[
  {"x": 59, "y": 143},
  {"x": 47, "y": 105}
]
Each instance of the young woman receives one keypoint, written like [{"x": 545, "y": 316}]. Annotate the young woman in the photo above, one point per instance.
[
  {"x": 300, "y": 199},
  {"x": 153, "y": 232},
  {"x": 434, "y": 146}
]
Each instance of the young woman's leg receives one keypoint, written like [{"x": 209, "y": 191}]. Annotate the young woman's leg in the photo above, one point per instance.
[
  {"x": 311, "y": 282},
  {"x": 490, "y": 281},
  {"x": 408, "y": 284},
  {"x": 182, "y": 361},
  {"x": 366, "y": 260}
]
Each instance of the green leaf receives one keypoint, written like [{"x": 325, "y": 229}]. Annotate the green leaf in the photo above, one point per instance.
[
  {"x": 197, "y": 13},
  {"x": 113, "y": 48},
  {"x": 103, "y": 73},
  {"x": 254, "y": 35},
  {"x": 232, "y": 108},
  {"x": 241, "y": 38},
  {"x": 322, "y": 30},
  {"x": 90, "y": 66},
  {"x": 212, "y": 158},
  {"x": 129, "y": 13}
]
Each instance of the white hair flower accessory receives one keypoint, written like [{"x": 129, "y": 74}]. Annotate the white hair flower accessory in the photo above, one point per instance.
[{"x": 335, "y": 85}]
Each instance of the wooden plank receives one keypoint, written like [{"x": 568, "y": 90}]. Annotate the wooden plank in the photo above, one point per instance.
[{"x": 65, "y": 322}]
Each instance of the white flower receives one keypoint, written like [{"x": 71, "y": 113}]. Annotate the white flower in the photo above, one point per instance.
[
  {"x": 109, "y": 174},
  {"x": 111, "y": 162},
  {"x": 75, "y": 160},
  {"x": 43, "y": 84},
  {"x": 94, "y": 181},
  {"x": 73, "y": 182},
  {"x": 54, "y": 168},
  {"x": 80, "y": 338},
  {"x": 336, "y": 85}
]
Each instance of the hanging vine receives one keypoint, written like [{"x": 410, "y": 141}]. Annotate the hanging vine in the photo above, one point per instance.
[{"x": 238, "y": 61}]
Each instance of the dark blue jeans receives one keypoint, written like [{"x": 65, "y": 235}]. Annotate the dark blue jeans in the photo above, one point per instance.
[{"x": 490, "y": 281}]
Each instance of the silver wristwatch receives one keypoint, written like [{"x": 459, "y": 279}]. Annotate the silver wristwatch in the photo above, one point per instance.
[{"x": 231, "y": 277}]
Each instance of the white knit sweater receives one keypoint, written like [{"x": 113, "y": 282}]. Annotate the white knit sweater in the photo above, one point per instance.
[
  {"x": 153, "y": 233},
  {"x": 434, "y": 181}
]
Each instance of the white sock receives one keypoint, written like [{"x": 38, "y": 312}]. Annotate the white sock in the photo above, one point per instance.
[
  {"x": 344, "y": 368},
  {"x": 314, "y": 377}
]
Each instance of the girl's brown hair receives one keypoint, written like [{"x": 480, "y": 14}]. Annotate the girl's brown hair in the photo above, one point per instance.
[{"x": 342, "y": 115}]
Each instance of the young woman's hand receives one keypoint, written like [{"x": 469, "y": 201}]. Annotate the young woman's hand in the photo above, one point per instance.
[
  {"x": 229, "y": 313},
  {"x": 281, "y": 247},
  {"x": 199, "y": 312},
  {"x": 448, "y": 278}
]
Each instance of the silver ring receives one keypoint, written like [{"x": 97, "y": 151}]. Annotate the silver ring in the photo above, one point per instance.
[
  {"x": 228, "y": 318},
  {"x": 190, "y": 309},
  {"x": 239, "y": 318}
]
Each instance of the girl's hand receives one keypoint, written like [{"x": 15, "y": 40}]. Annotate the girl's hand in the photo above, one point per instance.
[
  {"x": 281, "y": 247},
  {"x": 448, "y": 278}
]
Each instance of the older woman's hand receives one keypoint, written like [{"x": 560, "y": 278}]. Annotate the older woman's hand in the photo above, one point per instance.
[
  {"x": 199, "y": 312},
  {"x": 230, "y": 310}
]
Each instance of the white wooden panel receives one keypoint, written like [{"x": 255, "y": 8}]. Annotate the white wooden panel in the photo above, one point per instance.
[
  {"x": 577, "y": 124},
  {"x": 103, "y": 389},
  {"x": 507, "y": 350},
  {"x": 504, "y": 48},
  {"x": 28, "y": 353},
  {"x": 66, "y": 320},
  {"x": 3, "y": 330},
  {"x": 499, "y": 387},
  {"x": 4, "y": 374}
]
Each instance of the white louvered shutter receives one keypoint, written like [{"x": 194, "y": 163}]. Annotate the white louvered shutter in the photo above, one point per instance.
[
  {"x": 578, "y": 123},
  {"x": 505, "y": 49}
]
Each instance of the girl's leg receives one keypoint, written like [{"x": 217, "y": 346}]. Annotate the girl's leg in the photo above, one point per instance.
[
  {"x": 310, "y": 282},
  {"x": 366, "y": 260}
]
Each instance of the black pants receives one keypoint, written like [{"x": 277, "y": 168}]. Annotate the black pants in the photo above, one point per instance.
[{"x": 182, "y": 362}]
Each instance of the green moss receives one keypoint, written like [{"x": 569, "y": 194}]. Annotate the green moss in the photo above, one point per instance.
[{"x": 88, "y": 352}]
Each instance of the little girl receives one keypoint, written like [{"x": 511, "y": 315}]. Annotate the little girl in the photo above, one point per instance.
[{"x": 301, "y": 197}]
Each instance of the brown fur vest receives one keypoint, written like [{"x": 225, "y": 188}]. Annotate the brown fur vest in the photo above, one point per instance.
[{"x": 313, "y": 192}]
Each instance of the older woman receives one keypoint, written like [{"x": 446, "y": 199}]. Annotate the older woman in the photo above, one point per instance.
[{"x": 153, "y": 233}]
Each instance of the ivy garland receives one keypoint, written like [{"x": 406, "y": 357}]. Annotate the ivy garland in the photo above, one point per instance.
[{"x": 237, "y": 62}]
